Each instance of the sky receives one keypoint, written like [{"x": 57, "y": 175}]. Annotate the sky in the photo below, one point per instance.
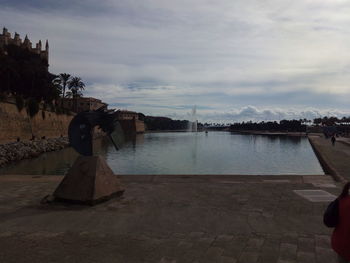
[{"x": 234, "y": 60}]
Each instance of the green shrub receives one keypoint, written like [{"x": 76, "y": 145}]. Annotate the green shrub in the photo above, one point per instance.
[
  {"x": 19, "y": 102},
  {"x": 59, "y": 110},
  {"x": 32, "y": 107},
  {"x": 67, "y": 112},
  {"x": 52, "y": 107}
]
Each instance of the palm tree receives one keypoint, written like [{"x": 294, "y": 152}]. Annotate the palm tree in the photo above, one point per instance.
[
  {"x": 76, "y": 85},
  {"x": 69, "y": 94},
  {"x": 62, "y": 81}
]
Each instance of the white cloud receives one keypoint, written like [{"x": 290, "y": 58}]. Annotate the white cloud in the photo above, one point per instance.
[
  {"x": 162, "y": 56},
  {"x": 261, "y": 114}
]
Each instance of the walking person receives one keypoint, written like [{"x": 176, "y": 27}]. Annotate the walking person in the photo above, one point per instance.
[
  {"x": 341, "y": 233},
  {"x": 333, "y": 140}
]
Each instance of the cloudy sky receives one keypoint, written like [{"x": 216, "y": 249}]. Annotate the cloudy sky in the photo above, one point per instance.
[{"x": 234, "y": 60}]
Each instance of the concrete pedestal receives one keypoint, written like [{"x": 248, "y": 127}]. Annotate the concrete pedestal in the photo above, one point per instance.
[{"x": 88, "y": 181}]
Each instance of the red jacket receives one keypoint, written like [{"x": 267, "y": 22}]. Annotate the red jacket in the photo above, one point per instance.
[{"x": 341, "y": 234}]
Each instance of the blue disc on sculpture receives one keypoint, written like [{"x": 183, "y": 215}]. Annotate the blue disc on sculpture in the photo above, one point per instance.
[
  {"x": 80, "y": 130},
  {"x": 80, "y": 135}
]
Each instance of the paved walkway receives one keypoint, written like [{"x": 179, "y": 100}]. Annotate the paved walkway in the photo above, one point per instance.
[
  {"x": 337, "y": 157},
  {"x": 169, "y": 219}
]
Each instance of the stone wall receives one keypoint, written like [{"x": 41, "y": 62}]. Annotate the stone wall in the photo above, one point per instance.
[
  {"x": 15, "y": 124},
  {"x": 16, "y": 151},
  {"x": 132, "y": 126},
  {"x": 139, "y": 126}
]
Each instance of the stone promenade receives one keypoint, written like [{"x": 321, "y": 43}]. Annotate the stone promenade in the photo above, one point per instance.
[
  {"x": 336, "y": 159},
  {"x": 165, "y": 219}
]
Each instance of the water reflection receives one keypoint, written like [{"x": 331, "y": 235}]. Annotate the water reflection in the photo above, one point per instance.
[
  {"x": 189, "y": 153},
  {"x": 48, "y": 163},
  {"x": 194, "y": 148}
]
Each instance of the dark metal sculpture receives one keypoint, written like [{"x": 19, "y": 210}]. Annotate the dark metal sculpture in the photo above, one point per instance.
[
  {"x": 80, "y": 130},
  {"x": 90, "y": 180}
]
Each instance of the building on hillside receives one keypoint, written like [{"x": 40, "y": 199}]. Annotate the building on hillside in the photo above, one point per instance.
[
  {"x": 6, "y": 40},
  {"x": 82, "y": 104},
  {"x": 126, "y": 115},
  {"x": 129, "y": 120}
]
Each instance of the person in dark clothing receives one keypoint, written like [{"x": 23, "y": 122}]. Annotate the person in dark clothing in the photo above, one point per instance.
[
  {"x": 341, "y": 233},
  {"x": 333, "y": 140}
]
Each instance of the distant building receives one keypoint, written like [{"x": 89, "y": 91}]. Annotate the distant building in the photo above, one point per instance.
[
  {"x": 129, "y": 120},
  {"x": 82, "y": 104},
  {"x": 6, "y": 40},
  {"x": 126, "y": 115}
]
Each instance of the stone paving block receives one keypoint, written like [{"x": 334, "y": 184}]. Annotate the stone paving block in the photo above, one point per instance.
[
  {"x": 234, "y": 251},
  {"x": 268, "y": 214},
  {"x": 198, "y": 249},
  {"x": 235, "y": 247},
  {"x": 304, "y": 209},
  {"x": 270, "y": 244},
  {"x": 171, "y": 252},
  {"x": 323, "y": 241},
  {"x": 290, "y": 238},
  {"x": 167, "y": 260},
  {"x": 306, "y": 244},
  {"x": 179, "y": 235},
  {"x": 318, "y": 208},
  {"x": 288, "y": 252},
  {"x": 306, "y": 257},
  {"x": 273, "y": 237},
  {"x": 254, "y": 244},
  {"x": 224, "y": 238},
  {"x": 248, "y": 257},
  {"x": 325, "y": 255},
  {"x": 269, "y": 252},
  {"x": 156, "y": 242},
  {"x": 202, "y": 244},
  {"x": 213, "y": 254},
  {"x": 286, "y": 261},
  {"x": 189, "y": 257},
  {"x": 224, "y": 259},
  {"x": 6, "y": 234},
  {"x": 196, "y": 234},
  {"x": 268, "y": 258},
  {"x": 206, "y": 240},
  {"x": 185, "y": 244}
]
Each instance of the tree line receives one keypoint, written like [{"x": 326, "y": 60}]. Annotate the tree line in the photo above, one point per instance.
[
  {"x": 282, "y": 126},
  {"x": 75, "y": 86},
  {"x": 163, "y": 123},
  {"x": 330, "y": 121},
  {"x": 65, "y": 81}
]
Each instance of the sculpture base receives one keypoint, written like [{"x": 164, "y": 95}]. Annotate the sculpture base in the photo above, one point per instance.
[{"x": 89, "y": 181}]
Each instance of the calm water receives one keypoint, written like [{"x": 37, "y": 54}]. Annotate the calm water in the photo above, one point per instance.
[{"x": 190, "y": 153}]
